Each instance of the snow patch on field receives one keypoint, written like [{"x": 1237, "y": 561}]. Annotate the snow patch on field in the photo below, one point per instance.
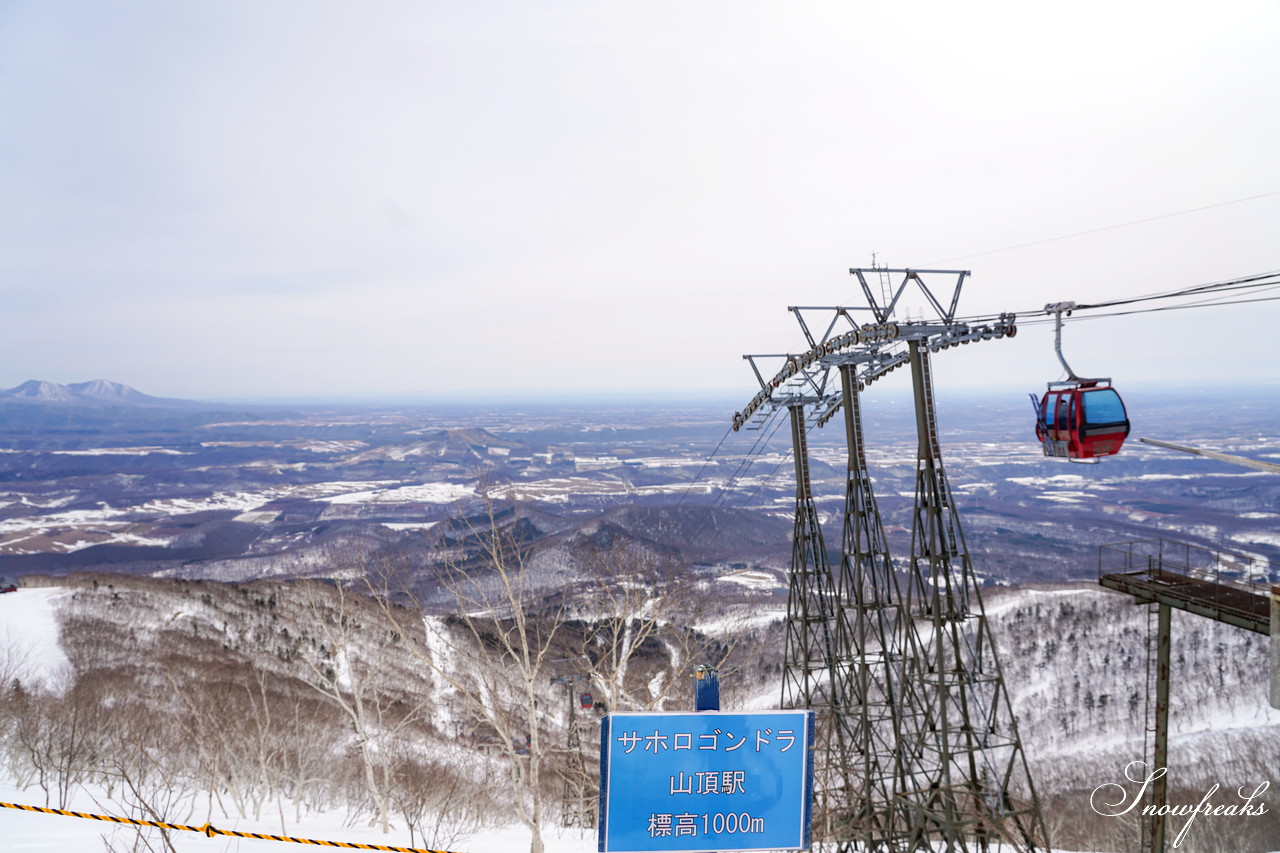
[
  {"x": 562, "y": 489},
  {"x": 71, "y": 531},
  {"x": 1059, "y": 480},
  {"x": 122, "y": 451},
  {"x": 257, "y": 516},
  {"x": 1257, "y": 537},
  {"x": 409, "y": 525},
  {"x": 754, "y": 579},
  {"x": 29, "y": 635},
  {"x": 1065, "y": 497},
  {"x": 433, "y": 493}
]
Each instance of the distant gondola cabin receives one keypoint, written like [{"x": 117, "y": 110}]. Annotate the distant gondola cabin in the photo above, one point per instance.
[{"x": 1082, "y": 422}]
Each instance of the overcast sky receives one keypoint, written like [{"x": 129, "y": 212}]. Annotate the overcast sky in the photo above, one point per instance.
[{"x": 272, "y": 198}]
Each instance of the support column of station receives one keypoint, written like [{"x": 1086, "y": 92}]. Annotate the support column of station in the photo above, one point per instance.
[
  {"x": 970, "y": 787},
  {"x": 1164, "y": 576},
  {"x": 1160, "y": 788},
  {"x": 1275, "y": 647}
]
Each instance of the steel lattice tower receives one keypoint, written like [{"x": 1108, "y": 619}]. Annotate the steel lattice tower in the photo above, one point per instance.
[
  {"x": 972, "y": 787},
  {"x": 809, "y": 630},
  {"x": 920, "y": 749},
  {"x": 579, "y": 798},
  {"x": 879, "y": 634},
  {"x": 812, "y": 633}
]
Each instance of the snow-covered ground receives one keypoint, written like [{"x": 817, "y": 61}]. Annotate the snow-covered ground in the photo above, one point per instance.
[
  {"x": 30, "y": 649},
  {"x": 22, "y": 831},
  {"x": 29, "y": 635}
]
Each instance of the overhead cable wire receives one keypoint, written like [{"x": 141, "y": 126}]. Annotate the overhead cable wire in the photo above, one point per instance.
[
  {"x": 742, "y": 508},
  {"x": 1260, "y": 281},
  {"x": 1200, "y": 303},
  {"x": 744, "y": 464},
  {"x": 1249, "y": 282},
  {"x": 753, "y": 454},
  {"x": 1230, "y": 290},
  {"x": 1207, "y": 304},
  {"x": 1106, "y": 228},
  {"x": 726, "y": 490},
  {"x": 706, "y": 462}
]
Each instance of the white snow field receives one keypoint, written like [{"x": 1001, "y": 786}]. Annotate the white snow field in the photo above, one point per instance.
[
  {"x": 30, "y": 650},
  {"x": 22, "y": 831},
  {"x": 29, "y": 646}
]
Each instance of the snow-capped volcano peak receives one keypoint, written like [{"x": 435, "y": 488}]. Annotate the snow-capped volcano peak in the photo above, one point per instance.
[
  {"x": 97, "y": 392},
  {"x": 37, "y": 391},
  {"x": 107, "y": 391}
]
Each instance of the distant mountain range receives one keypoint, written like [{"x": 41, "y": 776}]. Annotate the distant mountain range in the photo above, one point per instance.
[{"x": 98, "y": 392}]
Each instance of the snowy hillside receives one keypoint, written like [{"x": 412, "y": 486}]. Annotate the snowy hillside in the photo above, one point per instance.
[
  {"x": 288, "y": 706},
  {"x": 227, "y": 684}
]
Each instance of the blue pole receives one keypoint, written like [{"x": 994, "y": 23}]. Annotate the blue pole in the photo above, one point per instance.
[{"x": 706, "y": 690}]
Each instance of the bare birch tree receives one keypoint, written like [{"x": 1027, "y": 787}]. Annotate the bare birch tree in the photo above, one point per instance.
[
  {"x": 342, "y": 670},
  {"x": 646, "y": 627},
  {"x": 494, "y": 653}
]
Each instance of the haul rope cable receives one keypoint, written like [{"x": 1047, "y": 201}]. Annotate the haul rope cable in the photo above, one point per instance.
[
  {"x": 786, "y": 457},
  {"x": 753, "y": 456},
  {"x": 1256, "y": 280},
  {"x": 729, "y": 482},
  {"x": 212, "y": 831},
  {"x": 749, "y": 458},
  {"x": 705, "y": 463},
  {"x": 1201, "y": 304},
  {"x": 1205, "y": 304},
  {"x": 1261, "y": 281}
]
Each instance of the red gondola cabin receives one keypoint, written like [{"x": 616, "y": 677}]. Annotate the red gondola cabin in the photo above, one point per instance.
[{"x": 1082, "y": 422}]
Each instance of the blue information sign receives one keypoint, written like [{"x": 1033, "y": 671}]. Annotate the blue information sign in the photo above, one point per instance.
[{"x": 711, "y": 781}]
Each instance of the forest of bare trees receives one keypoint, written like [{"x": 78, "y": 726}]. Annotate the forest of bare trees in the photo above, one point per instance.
[
  {"x": 275, "y": 701},
  {"x": 194, "y": 702}
]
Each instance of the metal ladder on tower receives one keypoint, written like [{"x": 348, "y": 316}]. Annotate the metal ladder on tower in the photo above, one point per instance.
[{"x": 886, "y": 285}]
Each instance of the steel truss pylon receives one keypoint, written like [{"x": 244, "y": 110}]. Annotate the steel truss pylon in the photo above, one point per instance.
[
  {"x": 579, "y": 792},
  {"x": 876, "y": 643},
  {"x": 970, "y": 787},
  {"x": 810, "y": 676}
]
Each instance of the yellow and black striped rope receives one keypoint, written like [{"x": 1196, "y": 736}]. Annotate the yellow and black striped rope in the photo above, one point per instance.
[{"x": 210, "y": 830}]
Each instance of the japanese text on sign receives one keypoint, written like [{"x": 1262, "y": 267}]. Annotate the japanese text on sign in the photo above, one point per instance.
[
  {"x": 711, "y": 780},
  {"x": 659, "y": 742}
]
